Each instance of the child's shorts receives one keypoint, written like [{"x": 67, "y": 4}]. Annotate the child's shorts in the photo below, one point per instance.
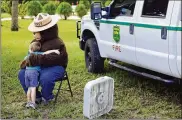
[{"x": 31, "y": 78}]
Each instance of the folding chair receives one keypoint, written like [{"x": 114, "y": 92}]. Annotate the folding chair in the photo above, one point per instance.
[
  {"x": 59, "y": 88},
  {"x": 60, "y": 80}
]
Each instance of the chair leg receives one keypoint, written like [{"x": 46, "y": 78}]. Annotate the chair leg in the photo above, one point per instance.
[
  {"x": 69, "y": 86},
  {"x": 38, "y": 87},
  {"x": 58, "y": 92}
]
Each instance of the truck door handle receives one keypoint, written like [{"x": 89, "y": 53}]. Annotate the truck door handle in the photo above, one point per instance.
[
  {"x": 163, "y": 33},
  {"x": 131, "y": 30}
]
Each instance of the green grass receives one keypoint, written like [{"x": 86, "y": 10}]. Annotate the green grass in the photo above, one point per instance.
[
  {"x": 134, "y": 97},
  {"x": 5, "y": 15}
]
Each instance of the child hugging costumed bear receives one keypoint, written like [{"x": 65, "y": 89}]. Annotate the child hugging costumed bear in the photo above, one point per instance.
[{"x": 52, "y": 59}]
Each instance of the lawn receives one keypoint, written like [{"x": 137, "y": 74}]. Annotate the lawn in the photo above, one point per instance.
[
  {"x": 134, "y": 97},
  {"x": 5, "y": 15}
]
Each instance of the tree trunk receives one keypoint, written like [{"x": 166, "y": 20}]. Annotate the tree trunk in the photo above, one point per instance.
[
  {"x": 65, "y": 17},
  {"x": 14, "y": 21}
]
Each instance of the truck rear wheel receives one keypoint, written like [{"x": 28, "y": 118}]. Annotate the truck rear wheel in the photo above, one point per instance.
[{"x": 93, "y": 60}]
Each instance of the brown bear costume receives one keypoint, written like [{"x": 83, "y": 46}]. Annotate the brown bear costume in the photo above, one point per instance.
[
  {"x": 50, "y": 41},
  {"x": 52, "y": 65}
]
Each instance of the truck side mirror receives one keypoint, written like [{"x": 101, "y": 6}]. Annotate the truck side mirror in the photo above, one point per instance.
[
  {"x": 96, "y": 11},
  {"x": 105, "y": 9}
]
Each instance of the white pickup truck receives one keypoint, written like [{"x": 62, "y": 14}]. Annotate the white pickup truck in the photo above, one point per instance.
[{"x": 142, "y": 33}]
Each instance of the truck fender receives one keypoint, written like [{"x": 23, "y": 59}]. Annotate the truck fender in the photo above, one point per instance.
[
  {"x": 92, "y": 29},
  {"x": 89, "y": 31}
]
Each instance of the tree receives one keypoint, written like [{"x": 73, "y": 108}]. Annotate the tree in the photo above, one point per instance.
[
  {"x": 6, "y": 6},
  {"x": 14, "y": 22},
  {"x": 50, "y": 8},
  {"x": 33, "y": 8},
  {"x": 22, "y": 9},
  {"x": 81, "y": 10},
  {"x": 57, "y": 3},
  {"x": 64, "y": 9},
  {"x": 107, "y": 2},
  {"x": 69, "y": 1},
  {"x": 86, "y": 3},
  {"x": 43, "y": 2}
]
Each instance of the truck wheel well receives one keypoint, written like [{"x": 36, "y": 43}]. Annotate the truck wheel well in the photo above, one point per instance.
[{"x": 85, "y": 36}]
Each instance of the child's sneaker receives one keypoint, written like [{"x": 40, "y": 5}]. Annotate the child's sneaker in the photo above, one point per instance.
[
  {"x": 28, "y": 104},
  {"x": 33, "y": 105}
]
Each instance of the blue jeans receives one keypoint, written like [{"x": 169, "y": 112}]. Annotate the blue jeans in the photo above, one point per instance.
[
  {"x": 47, "y": 80},
  {"x": 31, "y": 78}
]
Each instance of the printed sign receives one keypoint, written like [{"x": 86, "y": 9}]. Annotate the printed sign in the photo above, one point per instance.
[
  {"x": 116, "y": 33},
  {"x": 116, "y": 48}
]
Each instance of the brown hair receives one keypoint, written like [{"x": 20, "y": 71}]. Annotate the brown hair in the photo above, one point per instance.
[{"x": 35, "y": 46}]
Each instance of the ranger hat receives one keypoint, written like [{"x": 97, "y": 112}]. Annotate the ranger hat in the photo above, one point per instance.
[{"x": 42, "y": 22}]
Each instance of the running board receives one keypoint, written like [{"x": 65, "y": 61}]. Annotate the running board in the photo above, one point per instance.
[{"x": 141, "y": 73}]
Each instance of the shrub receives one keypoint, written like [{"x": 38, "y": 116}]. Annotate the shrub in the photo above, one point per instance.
[
  {"x": 22, "y": 9},
  {"x": 50, "y": 8},
  {"x": 64, "y": 9},
  {"x": 33, "y": 8},
  {"x": 81, "y": 10},
  {"x": 86, "y": 3}
]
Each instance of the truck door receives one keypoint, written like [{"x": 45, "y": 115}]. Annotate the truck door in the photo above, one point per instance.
[
  {"x": 175, "y": 40},
  {"x": 117, "y": 32},
  {"x": 179, "y": 29},
  {"x": 152, "y": 34}
]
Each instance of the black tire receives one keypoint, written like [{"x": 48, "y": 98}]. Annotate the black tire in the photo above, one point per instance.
[{"x": 94, "y": 62}]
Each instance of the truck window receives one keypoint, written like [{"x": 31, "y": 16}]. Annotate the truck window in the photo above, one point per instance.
[
  {"x": 122, "y": 8},
  {"x": 155, "y": 8}
]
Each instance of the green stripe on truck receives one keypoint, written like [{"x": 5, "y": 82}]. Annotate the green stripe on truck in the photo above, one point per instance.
[{"x": 141, "y": 25}]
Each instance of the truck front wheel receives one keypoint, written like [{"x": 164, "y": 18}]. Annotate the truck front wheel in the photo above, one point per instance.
[{"x": 93, "y": 60}]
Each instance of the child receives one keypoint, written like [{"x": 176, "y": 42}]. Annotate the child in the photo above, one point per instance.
[{"x": 32, "y": 74}]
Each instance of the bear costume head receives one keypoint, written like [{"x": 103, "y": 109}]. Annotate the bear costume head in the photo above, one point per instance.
[{"x": 44, "y": 27}]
